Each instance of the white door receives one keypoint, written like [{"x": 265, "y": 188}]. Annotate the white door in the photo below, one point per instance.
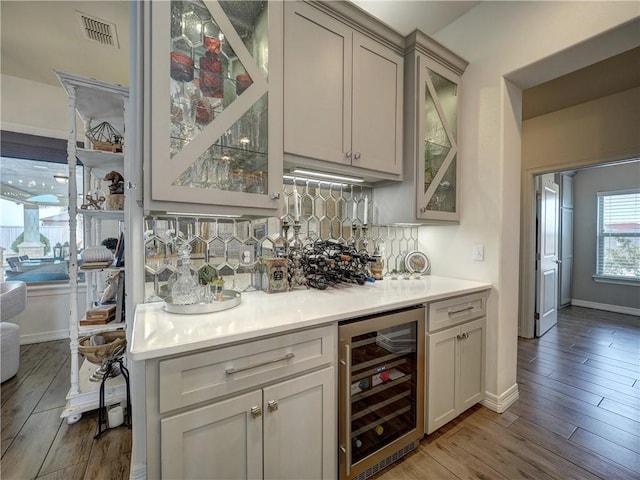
[{"x": 547, "y": 272}]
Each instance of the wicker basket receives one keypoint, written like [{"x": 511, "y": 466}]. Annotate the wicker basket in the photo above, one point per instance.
[{"x": 99, "y": 353}]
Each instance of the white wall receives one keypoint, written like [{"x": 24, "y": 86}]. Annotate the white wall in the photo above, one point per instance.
[
  {"x": 586, "y": 184},
  {"x": 46, "y": 316},
  {"x": 34, "y": 108},
  {"x": 498, "y": 39}
]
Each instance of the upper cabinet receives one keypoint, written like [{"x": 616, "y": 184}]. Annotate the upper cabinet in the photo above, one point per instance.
[
  {"x": 343, "y": 92},
  {"x": 213, "y": 107},
  {"x": 432, "y": 105}
]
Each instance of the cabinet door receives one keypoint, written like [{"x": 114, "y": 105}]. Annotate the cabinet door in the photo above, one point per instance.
[
  {"x": 437, "y": 188},
  {"x": 300, "y": 427},
  {"x": 215, "y": 135},
  {"x": 317, "y": 84},
  {"x": 219, "y": 441},
  {"x": 471, "y": 373},
  {"x": 377, "y": 106},
  {"x": 442, "y": 352}
]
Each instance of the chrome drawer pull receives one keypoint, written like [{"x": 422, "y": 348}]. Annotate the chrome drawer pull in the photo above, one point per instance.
[
  {"x": 231, "y": 371},
  {"x": 466, "y": 309}
]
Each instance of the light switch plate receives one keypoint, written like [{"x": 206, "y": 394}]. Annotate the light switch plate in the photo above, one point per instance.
[{"x": 478, "y": 252}]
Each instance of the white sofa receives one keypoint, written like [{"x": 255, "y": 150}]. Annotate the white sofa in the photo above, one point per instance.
[{"x": 13, "y": 300}]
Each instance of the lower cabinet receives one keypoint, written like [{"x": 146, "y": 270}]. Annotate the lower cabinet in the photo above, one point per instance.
[
  {"x": 455, "y": 370},
  {"x": 286, "y": 430},
  {"x": 261, "y": 409}
]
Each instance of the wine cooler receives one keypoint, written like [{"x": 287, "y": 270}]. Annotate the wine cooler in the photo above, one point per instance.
[{"x": 381, "y": 390}]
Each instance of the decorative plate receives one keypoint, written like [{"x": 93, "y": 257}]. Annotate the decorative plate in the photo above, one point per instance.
[{"x": 417, "y": 262}]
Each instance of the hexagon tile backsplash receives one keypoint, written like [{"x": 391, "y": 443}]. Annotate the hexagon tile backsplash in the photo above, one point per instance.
[{"x": 234, "y": 246}]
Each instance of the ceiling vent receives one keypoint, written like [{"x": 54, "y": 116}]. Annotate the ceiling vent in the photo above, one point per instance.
[{"x": 97, "y": 30}]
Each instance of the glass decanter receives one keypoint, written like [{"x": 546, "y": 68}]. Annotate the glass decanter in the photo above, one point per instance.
[{"x": 185, "y": 289}]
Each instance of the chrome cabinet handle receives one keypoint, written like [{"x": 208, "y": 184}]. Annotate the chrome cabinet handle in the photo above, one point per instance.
[
  {"x": 348, "y": 154},
  {"x": 272, "y": 405},
  {"x": 357, "y": 156},
  {"x": 459, "y": 337},
  {"x": 256, "y": 412},
  {"x": 231, "y": 371},
  {"x": 462, "y": 310}
]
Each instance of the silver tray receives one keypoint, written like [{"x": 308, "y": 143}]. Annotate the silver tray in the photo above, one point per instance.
[{"x": 231, "y": 298}]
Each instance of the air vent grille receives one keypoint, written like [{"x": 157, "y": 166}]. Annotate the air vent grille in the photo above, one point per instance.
[{"x": 98, "y": 30}]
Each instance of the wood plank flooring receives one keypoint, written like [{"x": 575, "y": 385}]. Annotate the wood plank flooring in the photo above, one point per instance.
[
  {"x": 577, "y": 416},
  {"x": 37, "y": 443}
]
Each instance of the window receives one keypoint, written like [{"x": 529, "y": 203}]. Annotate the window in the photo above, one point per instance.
[
  {"x": 34, "y": 227},
  {"x": 618, "y": 249}
]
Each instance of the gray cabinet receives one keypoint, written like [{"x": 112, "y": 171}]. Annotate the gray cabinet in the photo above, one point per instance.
[
  {"x": 212, "y": 116},
  {"x": 433, "y": 90},
  {"x": 235, "y": 412},
  {"x": 343, "y": 94},
  {"x": 256, "y": 435},
  {"x": 455, "y": 358}
]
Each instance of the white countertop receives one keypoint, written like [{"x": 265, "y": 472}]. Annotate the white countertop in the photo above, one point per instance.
[{"x": 157, "y": 333}]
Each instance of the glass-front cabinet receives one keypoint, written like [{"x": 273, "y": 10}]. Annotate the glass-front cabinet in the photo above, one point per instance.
[
  {"x": 433, "y": 91},
  {"x": 213, "y": 117},
  {"x": 438, "y": 191}
]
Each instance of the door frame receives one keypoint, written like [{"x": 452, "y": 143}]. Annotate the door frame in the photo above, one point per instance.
[{"x": 526, "y": 321}]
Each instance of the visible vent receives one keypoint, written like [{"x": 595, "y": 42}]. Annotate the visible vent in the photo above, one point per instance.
[{"x": 98, "y": 30}]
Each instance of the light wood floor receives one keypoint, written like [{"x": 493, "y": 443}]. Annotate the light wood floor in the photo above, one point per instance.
[
  {"x": 578, "y": 416},
  {"x": 36, "y": 442}
]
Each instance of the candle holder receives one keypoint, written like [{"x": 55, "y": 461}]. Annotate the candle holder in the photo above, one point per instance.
[
  {"x": 354, "y": 241},
  {"x": 296, "y": 271},
  {"x": 365, "y": 237},
  {"x": 285, "y": 234}
]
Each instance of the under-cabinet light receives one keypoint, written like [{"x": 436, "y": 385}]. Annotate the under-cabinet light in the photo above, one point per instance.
[
  {"x": 327, "y": 175},
  {"x": 296, "y": 178}
]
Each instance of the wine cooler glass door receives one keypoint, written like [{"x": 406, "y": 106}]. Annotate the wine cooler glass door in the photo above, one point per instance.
[{"x": 382, "y": 380}]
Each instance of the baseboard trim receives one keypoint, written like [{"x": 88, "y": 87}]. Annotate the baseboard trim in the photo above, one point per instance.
[
  {"x": 138, "y": 472},
  {"x": 43, "y": 337},
  {"x": 606, "y": 307},
  {"x": 500, "y": 403}
]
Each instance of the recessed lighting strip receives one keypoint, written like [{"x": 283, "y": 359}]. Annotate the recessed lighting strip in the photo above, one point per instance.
[{"x": 329, "y": 176}]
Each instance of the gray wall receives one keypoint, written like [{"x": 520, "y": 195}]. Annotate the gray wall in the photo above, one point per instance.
[{"x": 586, "y": 185}]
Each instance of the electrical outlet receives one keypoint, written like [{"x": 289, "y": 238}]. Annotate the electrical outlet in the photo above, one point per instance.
[
  {"x": 478, "y": 252},
  {"x": 246, "y": 256}
]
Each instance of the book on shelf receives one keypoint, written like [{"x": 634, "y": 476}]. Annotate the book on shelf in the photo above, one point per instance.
[
  {"x": 96, "y": 265},
  {"x": 101, "y": 312},
  {"x": 88, "y": 323}
]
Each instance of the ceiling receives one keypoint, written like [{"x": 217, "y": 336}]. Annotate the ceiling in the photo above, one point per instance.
[{"x": 60, "y": 44}]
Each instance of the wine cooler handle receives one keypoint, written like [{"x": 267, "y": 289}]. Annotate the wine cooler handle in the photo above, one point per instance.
[{"x": 347, "y": 410}]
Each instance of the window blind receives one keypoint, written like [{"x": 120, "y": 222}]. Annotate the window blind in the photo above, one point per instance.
[{"x": 618, "y": 250}]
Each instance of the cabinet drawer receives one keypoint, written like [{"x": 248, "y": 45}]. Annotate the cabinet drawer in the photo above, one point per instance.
[
  {"x": 204, "y": 376},
  {"x": 453, "y": 311}
]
